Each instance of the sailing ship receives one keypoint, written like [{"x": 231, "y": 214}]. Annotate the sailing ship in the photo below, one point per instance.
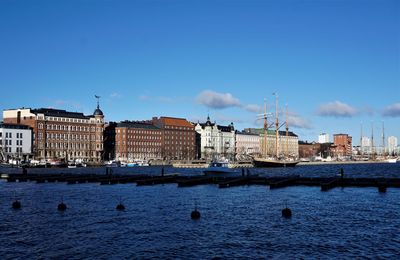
[{"x": 276, "y": 160}]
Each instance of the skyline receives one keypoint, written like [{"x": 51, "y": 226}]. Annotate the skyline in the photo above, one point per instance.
[{"x": 336, "y": 64}]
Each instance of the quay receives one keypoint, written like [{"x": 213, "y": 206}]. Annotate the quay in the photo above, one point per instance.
[{"x": 325, "y": 183}]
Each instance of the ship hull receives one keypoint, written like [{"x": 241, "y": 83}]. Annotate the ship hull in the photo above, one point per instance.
[{"x": 265, "y": 163}]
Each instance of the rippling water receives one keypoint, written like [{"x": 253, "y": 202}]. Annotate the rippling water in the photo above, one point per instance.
[{"x": 239, "y": 222}]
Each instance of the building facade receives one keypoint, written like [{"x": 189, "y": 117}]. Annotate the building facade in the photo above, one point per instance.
[
  {"x": 15, "y": 142},
  {"x": 59, "y": 134},
  {"x": 342, "y": 145},
  {"x": 323, "y": 138},
  {"x": 178, "y": 138},
  {"x": 216, "y": 141},
  {"x": 137, "y": 141},
  {"x": 247, "y": 144}
]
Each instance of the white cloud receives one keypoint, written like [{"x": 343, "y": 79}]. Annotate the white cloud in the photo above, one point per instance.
[
  {"x": 217, "y": 100},
  {"x": 336, "y": 109},
  {"x": 115, "y": 95},
  {"x": 392, "y": 110},
  {"x": 297, "y": 121},
  {"x": 253, "y": 108}
]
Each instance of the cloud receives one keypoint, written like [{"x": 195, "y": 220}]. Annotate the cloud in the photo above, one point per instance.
[
  {"x": 252, "y": 108},
  {"x": 115, "y": 95},
  {"x": 336, "y": 109},
  {"x": 217, "y": 100},
  {"x": 297, "y": 121},
  {"x": 392, "y": 110}
]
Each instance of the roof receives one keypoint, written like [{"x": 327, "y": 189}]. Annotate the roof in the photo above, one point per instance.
[
  {"x": 59, "y": 113},
  {"x": 14, "y": 126},
  {"x": 138, "y": 125},
  {"x": 173, "y": 121}
]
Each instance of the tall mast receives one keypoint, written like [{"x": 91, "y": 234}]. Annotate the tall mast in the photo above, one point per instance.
[
  {"x": 361, "y": 138},
  {"x": 372, "y": 139},
  {"x": 276, "y": 125},
  {"x": 265, "y": 129},
  {"x": 383, "y": 138},
  {"x": 287, "y": 131}
]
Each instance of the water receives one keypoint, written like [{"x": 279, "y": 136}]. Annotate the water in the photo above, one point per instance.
[{"x": 239, "y": 222}]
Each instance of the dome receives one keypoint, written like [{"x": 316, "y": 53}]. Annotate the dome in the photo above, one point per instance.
[{"x": 98, "y": 112}]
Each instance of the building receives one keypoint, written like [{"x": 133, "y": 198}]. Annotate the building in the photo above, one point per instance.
[
  {"x": 15, "y": 142},
  {"x": 137, "y": 141},
  {"x": 59, "y": 134},
  {"x": 246, "y": 144},
  {"x": 288, "y": 146},
  {"x": 392, "y": 145},
  {"x": 314, "y": 150},
  {"x": 216, "y": 141},
  {"x": 323, "y": 138},
  {"x": 178, "y": 138},
  {"x": 342, "y": 145}
]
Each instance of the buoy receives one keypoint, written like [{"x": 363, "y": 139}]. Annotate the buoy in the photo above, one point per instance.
[
  {"x": 120, "y": 206},
  {"x": 16, "y": 204},
  {"x": 195, "y": 214},
  {"x": 62, "y": 206},
  {"x": 286, "y": 213}
]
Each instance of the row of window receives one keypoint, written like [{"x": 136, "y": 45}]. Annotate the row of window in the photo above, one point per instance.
[
  {"x": 178, "y": 127},
  {"x": 147, "y": 132},
  {"x": 69, "y": 137},
  {"x": 70, "y": 128},
  {"x": 66, "y": 146},
  {"x": 64, "y": 119},
  {"x": 149, "y": 137},
  {"x": 9, "y": 142},
  {"x": 9, "y": 135},
  {"x": 141, "y": 149}
]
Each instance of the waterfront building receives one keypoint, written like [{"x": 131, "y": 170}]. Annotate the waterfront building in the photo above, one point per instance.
[
  {"x": 366, "y": 145},
  {"x": 392, "y": 145},
  {"x": 342, "y": 145},
  {"x": 323, "y": 138},
  {"x": 216, "y": 141},
  {"x": 246, "y": 144},
  {"x": 60, "y": 134},
  {"x": 15, "y": 142},
  {"x": 136, "y": 140},
  {"x": 178, "y": 138}
]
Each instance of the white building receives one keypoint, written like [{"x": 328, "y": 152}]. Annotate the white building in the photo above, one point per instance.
[
  {"x": 15, "y": 142},
  {"x": 323, "y": 138},
  {"x": 247, "y": 144},
  {"x": 392, "y": 144},
  {"x": 216, "y": 141}
]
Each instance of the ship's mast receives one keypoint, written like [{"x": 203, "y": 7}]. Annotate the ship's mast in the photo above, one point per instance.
[
  {"x": 372, "y": 139},
  {"x": 287, "y": 131},
  {"x": 276, "y": 125},
  {"x": 265, "y": 129},
  {"x": 383, "y": 138},
  {"x": 361, "y": 138}
]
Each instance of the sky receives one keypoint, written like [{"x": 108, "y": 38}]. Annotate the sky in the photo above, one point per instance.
[{"x": 334, "y": 63}]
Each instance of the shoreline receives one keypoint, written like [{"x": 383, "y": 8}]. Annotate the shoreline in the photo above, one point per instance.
[{"x": 341, "y": 162}]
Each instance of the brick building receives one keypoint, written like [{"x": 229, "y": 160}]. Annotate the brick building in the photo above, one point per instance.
[
  {"x": 59, "y": 134},
  {"x": 137, "y": 141},
  {"x": 178, "y": 138},
  {"x": 342, "y": 145}
]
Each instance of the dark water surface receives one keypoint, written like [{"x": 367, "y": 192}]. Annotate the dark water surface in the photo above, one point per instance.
[{"x": 239, "y": 222}]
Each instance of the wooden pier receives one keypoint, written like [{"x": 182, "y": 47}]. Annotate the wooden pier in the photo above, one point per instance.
[{"x": 324, "y": 183}]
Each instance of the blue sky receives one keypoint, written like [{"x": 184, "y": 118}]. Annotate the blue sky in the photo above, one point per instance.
[{"x": 335, "y": 63}]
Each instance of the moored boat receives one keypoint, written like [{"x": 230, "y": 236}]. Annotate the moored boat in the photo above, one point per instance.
[{"x": 265, "y": 162}]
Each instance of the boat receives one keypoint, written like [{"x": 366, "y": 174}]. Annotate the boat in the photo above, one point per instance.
[
  {"x": 113, "y": 164},
  {"x": 271, "y": 163},
  {"x": 277, "y": 160},
  {"x": 391, "y": 160},
  {"x": 218, "y": 169},
  {"x": 73, "y": 165}
]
